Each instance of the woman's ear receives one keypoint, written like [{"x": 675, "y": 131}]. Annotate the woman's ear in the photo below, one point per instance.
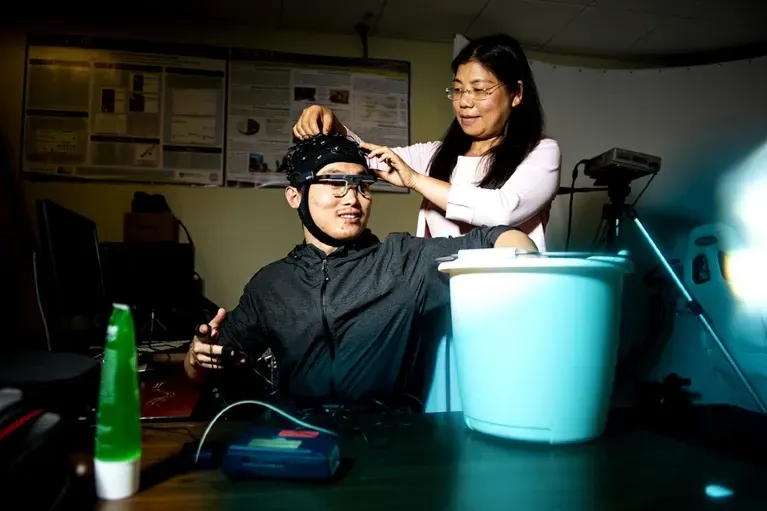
[
  {"x": 518, "y": 95},
  {"x": 293, "y": 196}
]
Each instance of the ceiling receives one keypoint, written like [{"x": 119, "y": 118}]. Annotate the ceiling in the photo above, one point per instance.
[{"x": 634, "y": 29}]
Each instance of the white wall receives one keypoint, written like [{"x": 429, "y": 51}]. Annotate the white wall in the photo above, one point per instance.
[{"x": 700, "y": 120}]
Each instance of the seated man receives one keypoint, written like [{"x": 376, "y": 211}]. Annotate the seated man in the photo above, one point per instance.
[{"x": 341, "y": 312}]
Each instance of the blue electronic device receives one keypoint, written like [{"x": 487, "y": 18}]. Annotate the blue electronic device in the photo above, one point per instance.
[{"x": 282, "y": 453}]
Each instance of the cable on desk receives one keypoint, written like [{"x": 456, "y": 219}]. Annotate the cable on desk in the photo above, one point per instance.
[
  {"x": 340, "y": 418},
  {"x": 348, "y": 420},
  {"x": 62, "y": 493},
  {"x": 265, "y": 405}
]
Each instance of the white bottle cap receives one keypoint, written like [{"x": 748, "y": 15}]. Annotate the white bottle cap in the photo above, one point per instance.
[{"x": 116, "y": 479}]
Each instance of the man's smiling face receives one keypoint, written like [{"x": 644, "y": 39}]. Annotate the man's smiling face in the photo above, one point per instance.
[{"x": 339, "y": 210}]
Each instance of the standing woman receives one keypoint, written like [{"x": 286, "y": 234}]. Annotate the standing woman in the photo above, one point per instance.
[{"x": 494, "y": 166}]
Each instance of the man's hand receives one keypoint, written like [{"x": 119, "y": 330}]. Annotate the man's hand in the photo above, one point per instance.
[
  {"x": 205, "y": 353},
  {"x": 399, "y": 172},
  {"x": 515, "y": 239},
  {"x": 317, "y": 119}
]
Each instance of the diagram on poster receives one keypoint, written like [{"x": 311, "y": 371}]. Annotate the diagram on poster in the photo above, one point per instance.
[
  {"x": 268, "y": 91},
  {"x": 100, "y": 112}
]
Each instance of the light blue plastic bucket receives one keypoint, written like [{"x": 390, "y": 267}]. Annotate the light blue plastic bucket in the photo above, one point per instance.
[{"x": 536, "y": 340}]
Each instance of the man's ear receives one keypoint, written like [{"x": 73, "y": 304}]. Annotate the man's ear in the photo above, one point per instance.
[{"x": 293, "y": 196}]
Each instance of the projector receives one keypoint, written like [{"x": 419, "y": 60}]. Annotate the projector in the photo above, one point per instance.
[{"x": 621, "y": 165}]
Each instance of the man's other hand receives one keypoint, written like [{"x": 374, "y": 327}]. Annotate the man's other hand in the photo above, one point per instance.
[{"x": 205, "y": 352}]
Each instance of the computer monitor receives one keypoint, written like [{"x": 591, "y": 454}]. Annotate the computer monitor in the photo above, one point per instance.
[{"x": 70, "y": 281}]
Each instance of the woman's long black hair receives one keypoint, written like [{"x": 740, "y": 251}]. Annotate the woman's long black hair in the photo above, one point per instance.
[{"x": 502, "y": 55}]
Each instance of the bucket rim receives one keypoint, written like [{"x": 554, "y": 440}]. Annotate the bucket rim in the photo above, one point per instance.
[{"x": 513, "y": 258}]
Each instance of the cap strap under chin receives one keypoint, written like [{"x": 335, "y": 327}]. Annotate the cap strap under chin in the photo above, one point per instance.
[{"x": 308, "y": 221}]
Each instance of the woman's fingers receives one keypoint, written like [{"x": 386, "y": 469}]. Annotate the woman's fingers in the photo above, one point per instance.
[
  {"x": 369, "y": 146},
  {"x": 308, "y": 128},
  {"x": 376, "y": 153},
  {"x": 308, "y": 123},
  {"x": 386, "y": 175},
  {"x": 327, "y": 120},
  {"x": 383, "y": 153},
  {"x": 310, "y": 120}
]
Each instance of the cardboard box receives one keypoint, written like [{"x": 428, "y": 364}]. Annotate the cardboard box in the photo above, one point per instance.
[{"x": 142, "y": 227}]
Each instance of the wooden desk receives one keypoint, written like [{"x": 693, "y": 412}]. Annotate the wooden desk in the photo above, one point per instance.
[{"x": 435, "y": 463}]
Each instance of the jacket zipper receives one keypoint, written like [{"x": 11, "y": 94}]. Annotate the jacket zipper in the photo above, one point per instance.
[{"x": 326, "y": 326}]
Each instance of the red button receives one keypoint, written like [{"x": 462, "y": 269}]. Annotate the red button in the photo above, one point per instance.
[{"x": 292, "y": 433}]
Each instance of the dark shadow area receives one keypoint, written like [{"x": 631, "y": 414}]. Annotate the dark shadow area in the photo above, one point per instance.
[{"x": 729, "y": 431}]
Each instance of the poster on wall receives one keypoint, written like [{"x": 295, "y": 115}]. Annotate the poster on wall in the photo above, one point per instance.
[
  {"x": 268, "y": 91},
  {"x": 122, "y": 111}
]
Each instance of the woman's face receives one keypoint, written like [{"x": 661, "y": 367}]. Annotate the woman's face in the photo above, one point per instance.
[{"x": 482, "y": 118}]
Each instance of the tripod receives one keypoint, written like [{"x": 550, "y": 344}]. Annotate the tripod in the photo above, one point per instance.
[
  {"x": 150, "y": 325},
  {"x": 613, "y": 215}
]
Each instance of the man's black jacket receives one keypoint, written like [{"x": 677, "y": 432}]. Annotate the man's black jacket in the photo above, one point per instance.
[{"x": 346, "y": 326}]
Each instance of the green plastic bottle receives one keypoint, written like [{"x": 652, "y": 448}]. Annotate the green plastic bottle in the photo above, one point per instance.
[{"x": 117, "y": 456}]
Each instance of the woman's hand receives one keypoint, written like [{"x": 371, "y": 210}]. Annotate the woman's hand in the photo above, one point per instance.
[
  {"x": 399, "y": 172},
  {"x": 317, "y": 119}
]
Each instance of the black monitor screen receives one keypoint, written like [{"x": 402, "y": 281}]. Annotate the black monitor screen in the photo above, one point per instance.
[{"x": 70, "y": 280}]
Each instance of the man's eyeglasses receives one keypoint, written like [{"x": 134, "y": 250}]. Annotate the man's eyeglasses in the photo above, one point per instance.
[
  {"x": 456, "y": 93},
  {"x": 340, "y": 184}
]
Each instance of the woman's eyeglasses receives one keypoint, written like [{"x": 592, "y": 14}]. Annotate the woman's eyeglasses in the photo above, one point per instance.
[
  {"x": 340, "y": 184},
  {"x": 456, "y": 93}
]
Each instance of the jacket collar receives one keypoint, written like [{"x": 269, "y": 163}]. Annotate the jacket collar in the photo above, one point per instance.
[{"x": 362, "y": 242}]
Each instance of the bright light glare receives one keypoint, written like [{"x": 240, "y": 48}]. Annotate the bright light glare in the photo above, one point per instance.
[
  {"x": 744, "y": 192},
  {"x": 748, "y": 277},
  {"x": 751, "y": 208},
  {"x": 716, "y": 491}
]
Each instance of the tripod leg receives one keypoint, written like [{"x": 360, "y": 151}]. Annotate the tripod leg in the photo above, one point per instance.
[
  {"x": 609, "y": 229},
  {"x": 613, "y": 233},
  {"x": 596, "y": 243},
  {"x": 696, "y": 309},
  {"x": 151, "y": 328},
  {"x": 161, "y": 325}
]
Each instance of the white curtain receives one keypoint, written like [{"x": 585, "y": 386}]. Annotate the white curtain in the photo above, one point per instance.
[{"x": 459, "y": 42}]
